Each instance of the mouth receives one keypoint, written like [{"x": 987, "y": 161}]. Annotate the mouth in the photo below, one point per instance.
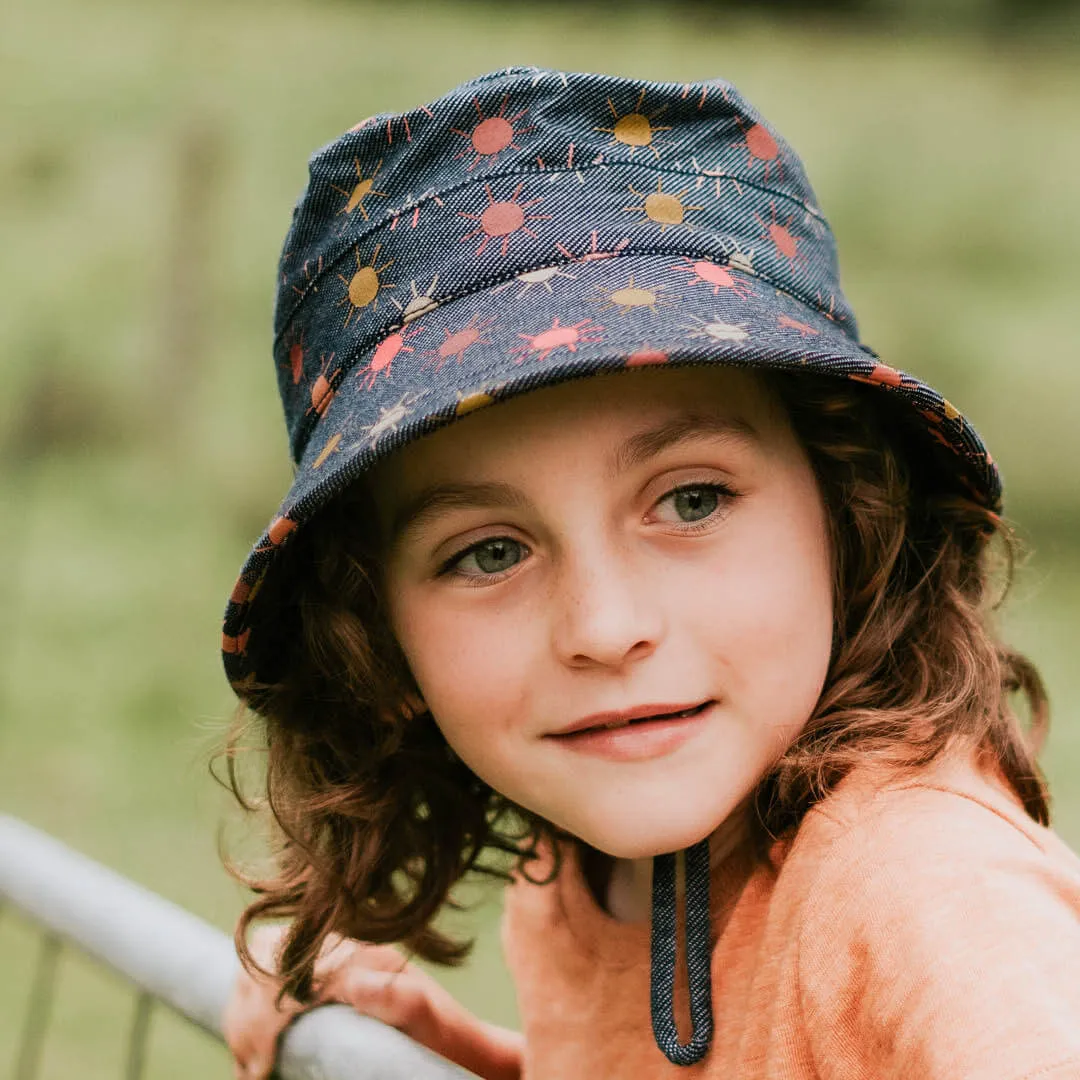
[{"x": 628, "y": 718}]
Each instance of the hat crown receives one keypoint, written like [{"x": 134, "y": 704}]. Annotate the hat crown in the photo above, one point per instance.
[{"x": 523, "y": 169}]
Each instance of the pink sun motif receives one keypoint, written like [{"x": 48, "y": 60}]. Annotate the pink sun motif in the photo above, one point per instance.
[
  {"x": 322, "y": 389},
  {"x": 411, "y": 208},
  {"x": 557, "y": 337},
  {"x": 646, "y": 356},
  {"x": 786, "y": 322},
  {"x": 295, "y": 361},
  {"x": 372, "y": 120},
  {"x": 711, "y": 84},
  {"x": 309, "y": 281},
  {"x": 781, "y": 236},
  {"x": 719, "y": 277},
  {"x": 458, "y": 342},
  {"x": 384, "y": 355},
  {"x": 503, "y": 219},
  {"x": 492, "y": 134},
  {"x": 830, "y": 314},
  {"x": 761, "y": 146}
]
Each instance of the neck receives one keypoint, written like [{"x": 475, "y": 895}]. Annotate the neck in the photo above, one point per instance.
[{"x": 629, "y": 894}]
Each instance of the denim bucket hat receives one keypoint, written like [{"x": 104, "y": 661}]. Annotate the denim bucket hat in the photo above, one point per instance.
[{"x": 534, "y": 226}]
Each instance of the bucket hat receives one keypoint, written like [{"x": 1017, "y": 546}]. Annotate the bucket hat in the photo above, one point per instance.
[{"x": 533, "y": 226}]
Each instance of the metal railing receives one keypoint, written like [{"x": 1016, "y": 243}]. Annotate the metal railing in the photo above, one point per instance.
[{"x": 173, "y": 957}]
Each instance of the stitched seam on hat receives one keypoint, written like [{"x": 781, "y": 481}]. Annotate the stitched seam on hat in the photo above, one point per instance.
[
  {"x": 363, "y": 346},
  {"x": 538, "y": 74},
  {"x": 330, "y": 263},
  {"x": 426, "y": 108}
]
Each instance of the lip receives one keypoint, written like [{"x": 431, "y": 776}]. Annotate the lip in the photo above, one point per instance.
[
  {"x": 638, "y": 712},
  {"x": 643, "y": 741}
]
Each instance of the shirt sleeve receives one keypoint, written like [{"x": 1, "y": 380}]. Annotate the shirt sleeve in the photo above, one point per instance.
[{"x": 942, "y": 942}]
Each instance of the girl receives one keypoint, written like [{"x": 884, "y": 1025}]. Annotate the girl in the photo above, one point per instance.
[{"x": 699, "y": 646}]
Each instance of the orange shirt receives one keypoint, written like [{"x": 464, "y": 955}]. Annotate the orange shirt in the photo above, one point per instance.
[{"x": 915, "y": 930}]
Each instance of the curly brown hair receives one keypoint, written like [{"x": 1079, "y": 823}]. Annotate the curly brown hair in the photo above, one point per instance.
[{"x": 376, "y": 819}]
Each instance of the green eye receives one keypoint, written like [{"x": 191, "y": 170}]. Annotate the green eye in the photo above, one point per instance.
[
  {"x": 490, "y": 557},
  {"x": 695, "y": 503},
  {"x": 493, "y": 556}
]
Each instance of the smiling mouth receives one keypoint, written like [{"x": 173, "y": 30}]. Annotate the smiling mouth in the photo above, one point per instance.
[
  {"x": 682, "y": 714},
  {"x": 658, "y": 716}
]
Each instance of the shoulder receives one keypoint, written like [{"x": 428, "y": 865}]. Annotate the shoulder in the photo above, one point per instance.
[
  {"x": 940, "y": 926},
  {"x": 955, "y": 837},
  {"x": 957, "y": 817}
]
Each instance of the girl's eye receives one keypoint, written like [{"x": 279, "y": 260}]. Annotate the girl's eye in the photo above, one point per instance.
[
  {"x": 696, "y": 502},
  {"x": 489, "y": 557},
  {"x": 693, "y": 504},
  {"x": 489, "y": 560}
]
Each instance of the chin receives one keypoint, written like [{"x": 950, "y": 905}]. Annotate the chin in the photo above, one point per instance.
[{"x": 647, "y": 838}]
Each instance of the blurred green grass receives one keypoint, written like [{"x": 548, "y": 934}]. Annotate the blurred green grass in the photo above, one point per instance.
[{"x": 141, "y": 445}]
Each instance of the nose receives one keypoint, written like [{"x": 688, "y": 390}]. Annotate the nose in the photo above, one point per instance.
[{"x": 607, "y": 612}]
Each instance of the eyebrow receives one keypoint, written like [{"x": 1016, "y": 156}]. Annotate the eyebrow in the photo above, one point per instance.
[
  {"x": 435, "y": 500},
  {"x": 639, "y": 448}
]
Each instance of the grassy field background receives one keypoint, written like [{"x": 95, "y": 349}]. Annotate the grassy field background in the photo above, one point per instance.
[{"x": 149, "y": 161}]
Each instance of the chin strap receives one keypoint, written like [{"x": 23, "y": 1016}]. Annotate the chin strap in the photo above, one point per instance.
[{"x": 698, "y": 960}]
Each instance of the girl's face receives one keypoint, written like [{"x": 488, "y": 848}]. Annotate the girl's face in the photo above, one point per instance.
[{"x": 643, "y": 543}]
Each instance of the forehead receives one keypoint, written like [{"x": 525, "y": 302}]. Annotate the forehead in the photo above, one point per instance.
[
  {"x": 588, "y": 413},
  {"x": 598, "y": 428}
]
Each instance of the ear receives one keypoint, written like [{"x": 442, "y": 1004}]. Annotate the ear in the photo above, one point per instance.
[{"x": 412, "y": 706}]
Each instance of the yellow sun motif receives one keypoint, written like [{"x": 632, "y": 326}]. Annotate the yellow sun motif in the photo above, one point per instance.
[
  {"x": 360, "y": 191},
  {"x": 662, "y": 207},
  {"x": 471, "y": 402},
  {"x": 364, "y": 286},
  {"x": 632, "y": 296},
  {"x": 331, "y": 445},
  {"x": 635, "y": 129},
  {"x": 420, "y": 304}
]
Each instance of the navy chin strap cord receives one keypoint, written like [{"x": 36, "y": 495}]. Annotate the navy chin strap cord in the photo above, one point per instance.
[{"x": 662, "y": 975}]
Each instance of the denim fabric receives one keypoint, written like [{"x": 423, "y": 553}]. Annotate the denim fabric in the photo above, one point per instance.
[{"x": 698, "y": 955}]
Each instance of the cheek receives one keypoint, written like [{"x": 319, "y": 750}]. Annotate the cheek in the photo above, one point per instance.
[
  {"x": 472, "y": 680},
  {"x": 772, "y": 607}
]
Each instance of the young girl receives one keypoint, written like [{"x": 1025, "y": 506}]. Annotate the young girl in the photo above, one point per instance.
[{"x": 698, "y": 645}]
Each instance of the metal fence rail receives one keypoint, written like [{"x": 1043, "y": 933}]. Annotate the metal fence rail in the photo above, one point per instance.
[{"x": 173, "y": 957}]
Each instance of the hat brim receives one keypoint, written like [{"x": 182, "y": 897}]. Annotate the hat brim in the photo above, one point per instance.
[{"x": 550, "y": 325}]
